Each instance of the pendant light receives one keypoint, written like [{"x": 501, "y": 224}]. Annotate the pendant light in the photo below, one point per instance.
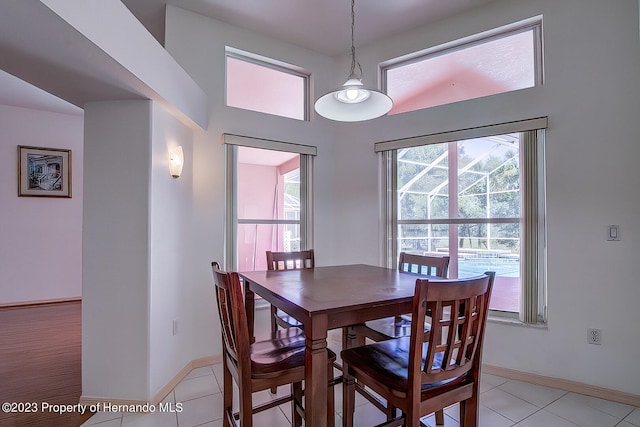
[{"x": 353, "y": 102}]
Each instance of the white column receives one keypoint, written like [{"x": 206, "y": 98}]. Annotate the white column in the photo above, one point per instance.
[{"x": 115, "y": 255}]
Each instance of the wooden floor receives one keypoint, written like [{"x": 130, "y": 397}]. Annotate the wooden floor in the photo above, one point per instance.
[{"x": 40, "y": 350}]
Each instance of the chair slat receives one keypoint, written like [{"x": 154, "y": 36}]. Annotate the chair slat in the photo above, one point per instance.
[{"x": 290, "y": 260}]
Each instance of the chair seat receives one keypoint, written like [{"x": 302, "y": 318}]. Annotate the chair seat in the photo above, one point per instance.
[
  {"x": 391, "y": 327},
  {"x": 283, "y": 351},
  {"x": 287, "y": 320},
  {"x": 388, "y": 361}
]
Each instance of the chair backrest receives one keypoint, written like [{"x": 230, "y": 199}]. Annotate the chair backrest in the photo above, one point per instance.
[
  {"x": 290, "y": 260},
  {"x": 233, "y": 318},
  {"x": 458, "y": 310},
  {"x": 424, "y": 264}
]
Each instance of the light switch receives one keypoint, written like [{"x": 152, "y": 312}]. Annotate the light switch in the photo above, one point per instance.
[{"x": 613, "y": 232}]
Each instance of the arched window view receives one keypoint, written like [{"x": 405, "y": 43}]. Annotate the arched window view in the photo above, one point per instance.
[{"x": 463, "y": 199}]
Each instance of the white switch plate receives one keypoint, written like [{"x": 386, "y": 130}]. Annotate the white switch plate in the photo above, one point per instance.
[{"x": 613, "y": 232}]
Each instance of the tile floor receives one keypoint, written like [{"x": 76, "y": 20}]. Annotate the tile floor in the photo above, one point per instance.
[{"x": 503, "y": 403}]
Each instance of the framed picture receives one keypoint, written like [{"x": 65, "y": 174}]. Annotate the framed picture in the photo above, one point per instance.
[{"x": 44, "y": 172}]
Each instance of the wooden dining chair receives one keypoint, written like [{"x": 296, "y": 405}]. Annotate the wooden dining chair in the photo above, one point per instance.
[
  {"x": 429, "y": 370},
  {"x": 287, "y": 261},
  {"x": 261, "y": 365},
  {"x": 400, "y": 326},
  {"x": 299, "y": 260}
]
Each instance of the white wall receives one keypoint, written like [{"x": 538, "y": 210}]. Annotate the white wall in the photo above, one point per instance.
[
  {"x": 137, "y": 251},
  {"x": 171, "y": 251},
  {"x": 592, "y": 97},
  {"x": 198, "y": 44},
  {"x": 40, "y": 237}
]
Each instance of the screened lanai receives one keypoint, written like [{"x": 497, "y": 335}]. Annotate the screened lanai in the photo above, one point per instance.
[{"x": 463, "y": 199}]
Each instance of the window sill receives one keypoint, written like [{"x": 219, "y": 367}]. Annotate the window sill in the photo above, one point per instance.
[{"x": 516, "y": 322}]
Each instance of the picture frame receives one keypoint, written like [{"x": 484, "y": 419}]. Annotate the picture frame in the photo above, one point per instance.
[{"x": 44, "y": 172}]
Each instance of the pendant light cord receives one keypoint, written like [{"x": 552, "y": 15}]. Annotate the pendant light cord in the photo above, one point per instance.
[{"x": 354, "y": 61}]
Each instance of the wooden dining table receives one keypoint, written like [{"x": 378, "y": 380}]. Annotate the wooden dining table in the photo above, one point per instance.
[{"x": 325, "y": 298}]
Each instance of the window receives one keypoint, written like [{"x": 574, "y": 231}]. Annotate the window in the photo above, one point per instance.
[
  {"x": 265, "y": 86},
  {"x": 478, "y": 200},
  {"x": 268, "y": 200},
  {"x": 501, "y": 61}
]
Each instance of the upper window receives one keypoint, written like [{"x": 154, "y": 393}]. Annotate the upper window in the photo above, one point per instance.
[
  {"x": 257, "y": 85},
  {"x": 501, "y": 62}
]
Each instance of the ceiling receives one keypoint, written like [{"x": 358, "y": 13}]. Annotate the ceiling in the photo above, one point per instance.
[
  {"x": 319, "y": 25},
  {"x": 18, "y": 93}
]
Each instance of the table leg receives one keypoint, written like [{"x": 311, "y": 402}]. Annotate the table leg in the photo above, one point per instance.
[
  {"x": 350, "y": 338},
  {"x": 249, "y": 306},
  {"x": 315, "y": 394}
]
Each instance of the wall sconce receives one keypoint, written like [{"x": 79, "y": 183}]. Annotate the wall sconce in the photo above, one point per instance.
[{"x": 176, "y": 161}]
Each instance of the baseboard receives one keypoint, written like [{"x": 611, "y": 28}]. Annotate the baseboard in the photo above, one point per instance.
[
  {"x": 206, "y": 361},
  {"x": 173, "y": 382},
  {"x": 196, "y": 363},
  {"x": 21, "y": 304},
  {"x": 567, "y": 385}
]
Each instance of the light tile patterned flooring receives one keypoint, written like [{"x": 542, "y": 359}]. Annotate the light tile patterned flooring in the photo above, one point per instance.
[{"x": 503, "y": 403}]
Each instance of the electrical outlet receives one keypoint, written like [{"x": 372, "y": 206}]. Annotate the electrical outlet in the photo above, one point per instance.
[
  {"x": 594, "y": 336},
  {"x": 175, "y": 326}
]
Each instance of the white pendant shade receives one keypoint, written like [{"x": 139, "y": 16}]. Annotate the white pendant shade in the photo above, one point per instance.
[{"x": 353, "y": 102}]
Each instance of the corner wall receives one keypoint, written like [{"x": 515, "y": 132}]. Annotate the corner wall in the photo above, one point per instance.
[
  {"x": 198, "y": 44},
  {"x": 592, "y": 97},
  {"x": 171, "y": 251},
  {"x": 137, "y": 251}
]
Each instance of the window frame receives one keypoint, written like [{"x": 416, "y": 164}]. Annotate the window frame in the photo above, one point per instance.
[
  {"x": 276, "y": 65},
  {"x": 307, "y": 153},
  {"x": 534, "y": 23},
  {"x": 533, "y": 227}
]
